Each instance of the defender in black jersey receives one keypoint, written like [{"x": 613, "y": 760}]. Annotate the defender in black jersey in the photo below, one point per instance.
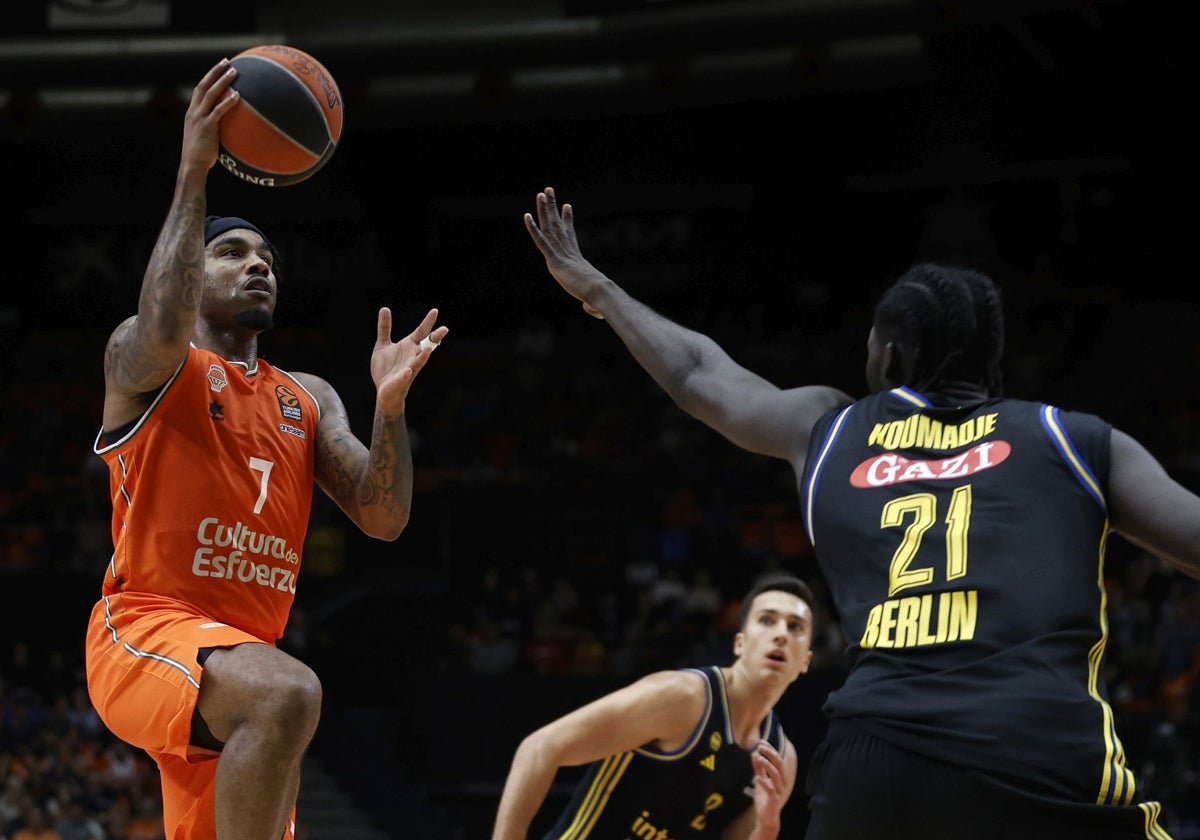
[
  {"x": 962, "y": 536},
  {"x": 678, "y": 753}
]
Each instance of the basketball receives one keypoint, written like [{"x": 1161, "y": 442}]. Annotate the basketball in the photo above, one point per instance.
[{"x": 288, "y": 122}]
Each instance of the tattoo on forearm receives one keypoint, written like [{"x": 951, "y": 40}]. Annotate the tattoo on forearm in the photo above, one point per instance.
[
  {"x": 388, "y": 480},
  {"x": 383, "y": 481},
  {"x": 175, "y": 278},
  {"x": 336, "y": 453}
]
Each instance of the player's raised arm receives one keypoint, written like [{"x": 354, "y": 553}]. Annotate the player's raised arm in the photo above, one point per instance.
[
  {"x": 145, "y": 349},
  {"x": 373, "y": 484},
  {"x": 693, "y": 369}
]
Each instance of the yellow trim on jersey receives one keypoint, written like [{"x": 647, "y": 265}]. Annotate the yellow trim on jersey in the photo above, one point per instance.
[
  {"x": 607, "y": 777},
  {"x": 1064, "y": 445},
  {"x": 1153, "y": 811},
  {"x": 1117, "y": 783},
  {"x": 910, "y": 396}
]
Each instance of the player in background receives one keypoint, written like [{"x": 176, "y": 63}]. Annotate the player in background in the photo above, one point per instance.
[{"x": 678, "y": 753}]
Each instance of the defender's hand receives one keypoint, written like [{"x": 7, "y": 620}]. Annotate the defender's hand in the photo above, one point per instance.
[{"x": 554, "y": 235}]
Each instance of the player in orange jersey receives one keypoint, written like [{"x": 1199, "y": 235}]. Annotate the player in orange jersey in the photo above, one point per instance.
[{"x": 213, "y": 453}]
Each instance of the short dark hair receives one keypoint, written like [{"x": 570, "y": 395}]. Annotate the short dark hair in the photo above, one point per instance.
[
  {"x": 951, "y": 318},
  {"x": 776, "y": 582}
]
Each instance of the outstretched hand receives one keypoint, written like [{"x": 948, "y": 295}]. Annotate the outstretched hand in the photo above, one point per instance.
[
  {"x": 395, "y": 364},
  {"x": 554, "y": 234}
]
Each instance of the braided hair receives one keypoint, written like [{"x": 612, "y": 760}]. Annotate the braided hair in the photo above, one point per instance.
[{"x": 951, "y": 319}]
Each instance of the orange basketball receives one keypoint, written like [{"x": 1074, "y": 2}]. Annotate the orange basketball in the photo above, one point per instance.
[{"x": 289, "y": 120}]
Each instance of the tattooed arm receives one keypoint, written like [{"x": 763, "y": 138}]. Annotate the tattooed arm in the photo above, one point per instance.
[
  {"x": 145, "y": 349},
  {"x": 374, "y": 485}
]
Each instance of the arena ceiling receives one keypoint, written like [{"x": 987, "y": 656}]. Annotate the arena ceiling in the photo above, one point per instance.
[{"x": 429, "y": 60}]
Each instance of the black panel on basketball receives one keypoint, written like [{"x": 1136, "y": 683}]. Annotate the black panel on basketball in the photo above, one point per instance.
[{"x": 283, "y": 101}]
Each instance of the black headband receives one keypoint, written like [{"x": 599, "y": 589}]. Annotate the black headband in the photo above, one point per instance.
[{"x": 214, "y": 226}]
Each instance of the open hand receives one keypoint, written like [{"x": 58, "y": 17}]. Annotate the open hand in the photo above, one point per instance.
[
  {"x": 554, "y": 235},
  {"x": 394, "y": 365}
]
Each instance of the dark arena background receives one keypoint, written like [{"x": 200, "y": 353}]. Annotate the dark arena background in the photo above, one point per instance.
[{"x": 756, "y": 169}]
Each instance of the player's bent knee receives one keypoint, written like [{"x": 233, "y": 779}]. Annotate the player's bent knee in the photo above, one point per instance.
[
  {"x": 261, "y": 687},
  {"x": 297, "y": 698}
]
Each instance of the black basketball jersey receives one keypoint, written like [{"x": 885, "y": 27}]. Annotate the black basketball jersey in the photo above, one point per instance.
[
  {"x": 698, "y": 789},
  {"x": 964, "y": 549}
]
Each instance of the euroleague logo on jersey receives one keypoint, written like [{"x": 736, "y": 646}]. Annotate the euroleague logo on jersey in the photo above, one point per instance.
[
  {"x": 890, "y": 468},
  {"x": 289, "y": 403}
]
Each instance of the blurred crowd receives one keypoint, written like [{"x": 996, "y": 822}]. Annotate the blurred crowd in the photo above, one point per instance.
[
  {"x": 578, "y": 524},
  {"x": 63, "y": 776}
]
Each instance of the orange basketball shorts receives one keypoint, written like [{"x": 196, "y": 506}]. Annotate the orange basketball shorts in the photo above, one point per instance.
[{"x": 144, "y": 681}]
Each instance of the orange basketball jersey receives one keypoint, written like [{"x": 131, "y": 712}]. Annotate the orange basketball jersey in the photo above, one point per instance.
[{"x": 211, "y": 492}]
